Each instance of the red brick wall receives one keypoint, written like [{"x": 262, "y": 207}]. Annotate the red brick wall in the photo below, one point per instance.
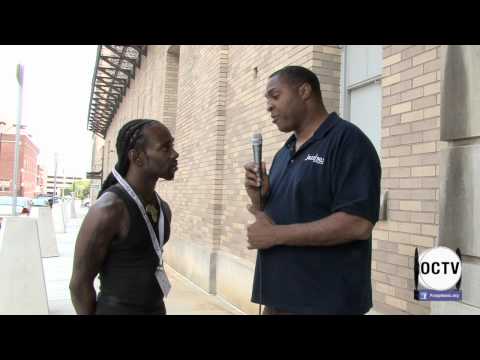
[{"x": 27, "y": 161}]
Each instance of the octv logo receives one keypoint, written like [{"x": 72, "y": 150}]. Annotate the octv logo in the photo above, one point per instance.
[{"x": 438, "y": 270}]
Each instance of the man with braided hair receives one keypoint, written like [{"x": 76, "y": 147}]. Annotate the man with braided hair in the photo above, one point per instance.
[{"x": 123, "y": 233}]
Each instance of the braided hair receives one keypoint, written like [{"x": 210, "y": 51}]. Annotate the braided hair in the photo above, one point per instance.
[{"x": 130, "y": 136}]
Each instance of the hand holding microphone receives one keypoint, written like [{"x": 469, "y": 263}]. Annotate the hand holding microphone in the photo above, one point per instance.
[
  {"x": 260, "y": 234},
  {"x": 256, "y": 178}
]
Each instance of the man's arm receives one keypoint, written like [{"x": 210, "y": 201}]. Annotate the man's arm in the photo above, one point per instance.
[
  {"x": 98, "y": 229},
  {"x": 336, "y": 229},
  {"x": 355, "y": 205}
]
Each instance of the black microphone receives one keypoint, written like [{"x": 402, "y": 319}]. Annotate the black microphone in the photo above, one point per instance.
[{"x": 257, "y": 158}]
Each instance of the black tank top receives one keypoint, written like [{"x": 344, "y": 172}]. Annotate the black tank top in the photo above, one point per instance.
[{"x": 127, "y": 275}]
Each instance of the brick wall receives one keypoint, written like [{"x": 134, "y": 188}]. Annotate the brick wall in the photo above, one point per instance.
[
  {"x": 96, "y": 163},
  {"x": 246, "y": 114},
  {"x": 410, "y": 160},
  {"x": 143, "y": 100},
  {"x": 28, "y": 154},
  {"x": 220, "y": 102},
  {"x": 195, "y": 193},
  {"x": 171, "y": 85},
  {"x": 28, "y": 162}
]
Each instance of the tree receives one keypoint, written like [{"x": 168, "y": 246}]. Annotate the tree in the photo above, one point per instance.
[{"x": 81, "y": 187}]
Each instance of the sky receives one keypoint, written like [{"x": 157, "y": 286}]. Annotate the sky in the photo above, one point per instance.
[{"x": 56, "y": 95}]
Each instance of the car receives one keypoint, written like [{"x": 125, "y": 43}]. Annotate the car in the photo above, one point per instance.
[
  {"x": 23, "y": 205},
  {"x": 40, "y": 201}
]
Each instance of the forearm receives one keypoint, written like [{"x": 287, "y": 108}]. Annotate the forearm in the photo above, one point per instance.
[
  {"x": 84, "y": 299},
  {"x": 336, "y": 229}
]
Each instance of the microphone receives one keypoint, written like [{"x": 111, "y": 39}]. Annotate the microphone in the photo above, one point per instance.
[{"x": 257, "y": 158}]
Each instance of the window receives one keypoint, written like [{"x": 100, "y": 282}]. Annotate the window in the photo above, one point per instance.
[
  {"x": 361, "y": 89},
  {"x": 4, "y": 185},
  {"x": 171, "y": 88}
]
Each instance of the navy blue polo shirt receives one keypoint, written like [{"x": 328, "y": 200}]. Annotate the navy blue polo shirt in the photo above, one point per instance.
[{"x": 337, "y": 169}]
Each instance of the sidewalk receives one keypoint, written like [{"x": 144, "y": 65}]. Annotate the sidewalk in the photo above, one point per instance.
[{"x": 185, "y": 298}]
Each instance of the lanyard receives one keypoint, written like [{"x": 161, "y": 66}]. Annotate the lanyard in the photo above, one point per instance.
[{"x": 158, "y": 246}]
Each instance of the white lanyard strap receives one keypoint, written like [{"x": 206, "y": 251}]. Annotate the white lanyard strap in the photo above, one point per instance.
[{"x": 158, "y": 246}]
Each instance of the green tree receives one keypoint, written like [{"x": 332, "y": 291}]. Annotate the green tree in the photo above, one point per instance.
[{"x": 81, "y": 187}]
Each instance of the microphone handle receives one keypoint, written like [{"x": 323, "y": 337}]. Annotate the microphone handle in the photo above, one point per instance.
[
  {"x": 260, "y": 194},
  {"x": 257, "y": 157}
]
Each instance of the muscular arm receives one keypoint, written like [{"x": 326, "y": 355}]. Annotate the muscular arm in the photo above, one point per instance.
[
  {"x": 98, "y": 229},
  {"x": 336, "y": 229}
]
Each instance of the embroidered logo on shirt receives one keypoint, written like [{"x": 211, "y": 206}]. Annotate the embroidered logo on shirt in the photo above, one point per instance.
[{"x": 316, "y": 159}]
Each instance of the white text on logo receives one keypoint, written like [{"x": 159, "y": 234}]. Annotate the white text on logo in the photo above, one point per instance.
[{"x": 316, "y": 159}]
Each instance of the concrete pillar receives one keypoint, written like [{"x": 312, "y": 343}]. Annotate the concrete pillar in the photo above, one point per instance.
[
  {"x": 67, "y": 211},
  {"x": 460, "y": 169},
  {"x": 46, "y": 231},
  {"x": 58, "y": 218},
  {"x": 22, "y": 283},
  {"x": 73, "y": 210}
]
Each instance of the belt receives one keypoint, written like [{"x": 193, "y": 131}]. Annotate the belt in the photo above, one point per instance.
[{"x": 113, "y": 300}]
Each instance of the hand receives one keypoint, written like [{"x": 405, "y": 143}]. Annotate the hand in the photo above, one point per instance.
[
  {"x": 252, "y": 183},
  {"x": 262, "y": 233}
]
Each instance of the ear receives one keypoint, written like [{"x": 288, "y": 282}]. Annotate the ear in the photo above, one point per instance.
[
  {"x": 135, "y": 157},
  {"x": 305, "y": 91}
]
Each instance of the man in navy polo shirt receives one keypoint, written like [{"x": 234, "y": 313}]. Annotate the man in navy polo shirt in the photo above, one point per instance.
[{"x": 321, "y": 201}]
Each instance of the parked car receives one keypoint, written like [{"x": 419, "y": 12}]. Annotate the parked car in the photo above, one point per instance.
[
  {"x": 23, "y": 205},
  {"x": 41, "y": 201}
]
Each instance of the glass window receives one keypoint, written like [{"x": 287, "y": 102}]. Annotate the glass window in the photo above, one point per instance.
[{"x": 362, "y": 92}]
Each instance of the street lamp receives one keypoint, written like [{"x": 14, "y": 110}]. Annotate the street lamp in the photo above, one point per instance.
[{"x": 17, "y": 137}]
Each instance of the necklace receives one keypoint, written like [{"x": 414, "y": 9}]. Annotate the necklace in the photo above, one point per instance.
[
  {"x": 150, "y": 209},
  {"x": 153, "y": 212}
]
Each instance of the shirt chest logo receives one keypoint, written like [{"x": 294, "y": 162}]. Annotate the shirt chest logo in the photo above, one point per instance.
[{"x": 320, "y": 160}]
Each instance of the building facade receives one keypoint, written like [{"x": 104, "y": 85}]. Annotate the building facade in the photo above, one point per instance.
[
  {"x": 212, "y": 100},
  {"x": 41, "y": 180},
  {"x": 96, "y": 173},
  {"x": 27, "y": 176},
  {"x": 59, "y": 183}
]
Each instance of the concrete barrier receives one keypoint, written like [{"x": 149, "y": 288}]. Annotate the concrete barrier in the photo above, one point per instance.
[
  {"x": 22, "y": 283},
  {"x": 66, "y": 209},
  {"x": 46, "y": 231},
  {"x": 73, "y": 211},
  {"x": 58, "y": 218}
]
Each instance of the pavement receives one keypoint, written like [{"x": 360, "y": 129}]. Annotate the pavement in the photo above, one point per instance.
[{"x": 185, "y": 298}]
